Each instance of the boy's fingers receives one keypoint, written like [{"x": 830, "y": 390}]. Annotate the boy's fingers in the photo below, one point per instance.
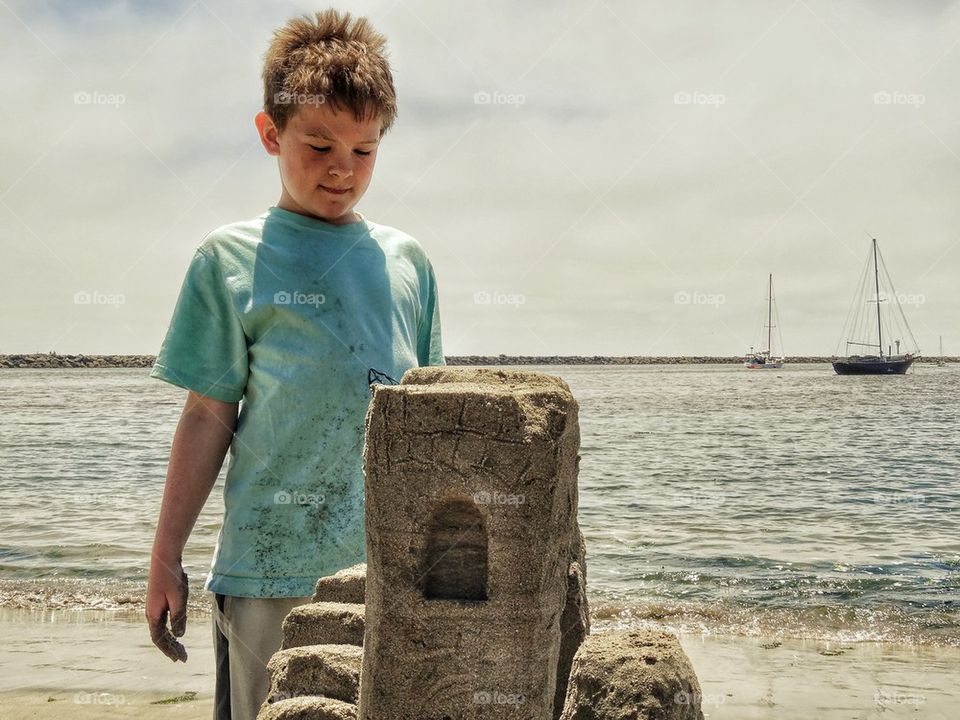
[
  {"x": 156, "y": 624},
  {"x": 170, "y": 647},
  {"x": 178, "y": 623},
  {"x": 161, "y": 637}
]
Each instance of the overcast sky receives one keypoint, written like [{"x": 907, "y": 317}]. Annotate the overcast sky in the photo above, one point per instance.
[{"x": 636, "y": 171}]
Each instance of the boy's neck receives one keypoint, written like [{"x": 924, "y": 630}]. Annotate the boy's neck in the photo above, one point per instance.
[{"x": 290, "y": 205}]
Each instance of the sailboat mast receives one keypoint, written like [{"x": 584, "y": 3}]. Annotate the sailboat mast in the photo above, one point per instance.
[
  {"x": 876, "y": 279},
  {"x": 770, "y": 315}
]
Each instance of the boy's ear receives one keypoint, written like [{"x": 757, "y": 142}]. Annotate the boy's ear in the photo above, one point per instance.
[{"x": 269, "y": 135}]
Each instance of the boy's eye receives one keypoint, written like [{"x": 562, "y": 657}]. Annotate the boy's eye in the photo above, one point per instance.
[{"x": 326, "y": 149}]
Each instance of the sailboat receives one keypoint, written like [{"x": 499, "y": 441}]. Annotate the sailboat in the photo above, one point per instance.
[
  {"x": 764, "y": 360},
  {"x": 941, "y": 362},
  {"x": 881, "y": 363}
]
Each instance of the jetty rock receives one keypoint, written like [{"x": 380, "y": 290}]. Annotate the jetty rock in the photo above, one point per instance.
[{"x": 473, "y": 601}]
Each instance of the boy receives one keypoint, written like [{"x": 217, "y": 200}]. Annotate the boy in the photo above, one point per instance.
[{"x": 295, "y": 313}]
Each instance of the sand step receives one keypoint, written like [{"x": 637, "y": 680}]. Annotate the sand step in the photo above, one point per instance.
[
  {"x": 308, "y": 708},
  {"x": 347, "y": 586},
  {"x": 332, "y": 671},
  {"x": 324, "y": 623},
  {"x": 641, "y": 674}
]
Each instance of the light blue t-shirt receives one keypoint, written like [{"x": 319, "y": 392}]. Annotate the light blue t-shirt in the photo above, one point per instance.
[{"x": 297, "y": 317}]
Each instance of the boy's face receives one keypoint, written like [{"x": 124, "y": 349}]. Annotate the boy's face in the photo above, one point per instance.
[{"x": 326, "y": 159}]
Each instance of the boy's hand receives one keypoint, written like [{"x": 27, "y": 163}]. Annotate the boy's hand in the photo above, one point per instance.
[
  {"x": 203, "y": 436},
  {"x": 167, "y": 596}
]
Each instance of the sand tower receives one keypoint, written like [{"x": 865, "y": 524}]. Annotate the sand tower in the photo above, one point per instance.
[{"x": 471, "y": 501}]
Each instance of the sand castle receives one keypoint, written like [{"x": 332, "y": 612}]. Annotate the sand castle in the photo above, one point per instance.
[{"x": 473, "y": 600}]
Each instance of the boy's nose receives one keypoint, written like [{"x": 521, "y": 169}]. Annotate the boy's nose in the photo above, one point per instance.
[{"x": 340, "y": 170}]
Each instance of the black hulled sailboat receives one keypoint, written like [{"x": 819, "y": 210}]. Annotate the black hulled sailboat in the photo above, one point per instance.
[{"x": 861, "y": 334}]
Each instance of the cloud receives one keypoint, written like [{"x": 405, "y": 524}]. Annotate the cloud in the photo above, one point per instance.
[{"x": 596, "y": 159}]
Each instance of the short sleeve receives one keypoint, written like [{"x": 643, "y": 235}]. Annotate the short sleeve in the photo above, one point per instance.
[
  {"x": 429, "y": 345},
  {"x": 205, "y": 349}
]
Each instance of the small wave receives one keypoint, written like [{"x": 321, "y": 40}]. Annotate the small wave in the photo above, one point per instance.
[
  {"x": 891, "y": 624},
  {"x": 84, "y": 594}
]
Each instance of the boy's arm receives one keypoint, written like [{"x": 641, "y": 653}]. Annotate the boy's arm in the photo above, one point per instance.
[
  {"x": 429, "y": 345},
  {"x": 201, "y": 441}
]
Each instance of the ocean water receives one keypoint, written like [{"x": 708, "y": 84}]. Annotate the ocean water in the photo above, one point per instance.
[{"x": 791, "y": 503}]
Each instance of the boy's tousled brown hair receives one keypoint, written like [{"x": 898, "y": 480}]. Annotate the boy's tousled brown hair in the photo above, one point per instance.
[{"x": 329, "y": 58}]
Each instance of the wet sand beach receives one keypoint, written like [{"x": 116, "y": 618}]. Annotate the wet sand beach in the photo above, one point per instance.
[{"x": 98, "y": 665}]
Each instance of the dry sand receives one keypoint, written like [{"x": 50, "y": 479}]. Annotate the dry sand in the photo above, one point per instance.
[{"x": 96, "y": 667}]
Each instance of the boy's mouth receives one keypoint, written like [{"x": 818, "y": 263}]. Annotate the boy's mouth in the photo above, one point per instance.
[{"x": 335, "y": 191}]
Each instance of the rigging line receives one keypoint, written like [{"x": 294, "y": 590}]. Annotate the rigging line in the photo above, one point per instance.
[
  {"x": 851, "y": 324},
  {"x": 776, "y": 314},
  {"x": 896, "y": 302}
]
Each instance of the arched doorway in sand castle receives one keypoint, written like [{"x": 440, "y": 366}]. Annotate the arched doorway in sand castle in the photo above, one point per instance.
[{"x": 456, "y": 558}]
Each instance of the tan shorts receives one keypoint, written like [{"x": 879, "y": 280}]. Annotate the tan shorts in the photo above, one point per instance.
[{"x": 246, "y": 634}]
